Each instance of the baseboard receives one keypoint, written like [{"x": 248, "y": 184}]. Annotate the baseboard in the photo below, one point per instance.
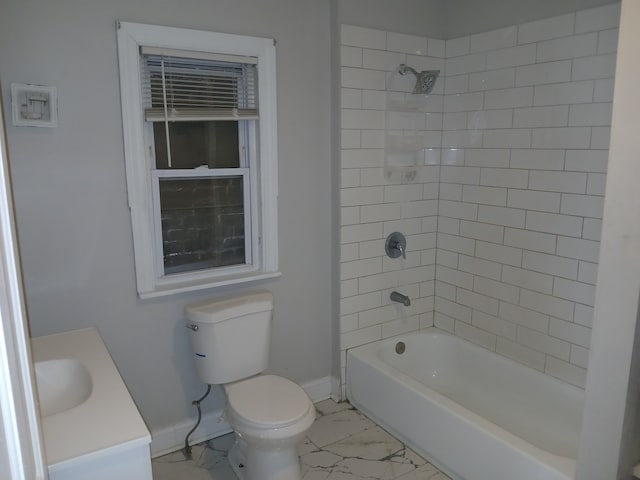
[
  {"x": 170, "y": 439},
  {"x": 319, "y": 389}
]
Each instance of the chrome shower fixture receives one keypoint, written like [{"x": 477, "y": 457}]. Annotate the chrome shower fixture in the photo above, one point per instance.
[{"x": 425, "y": 80}]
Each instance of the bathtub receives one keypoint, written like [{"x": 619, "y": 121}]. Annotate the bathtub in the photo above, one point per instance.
[
  {"x": 91, "y": 427},
  {"x": 474, "y": 414}
]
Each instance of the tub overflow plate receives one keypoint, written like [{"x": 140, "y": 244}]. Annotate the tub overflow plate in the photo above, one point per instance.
[{"x": 400, "y": 348}]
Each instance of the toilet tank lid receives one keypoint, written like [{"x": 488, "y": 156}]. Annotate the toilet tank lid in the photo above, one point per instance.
[{"x": 212, "y": 311}]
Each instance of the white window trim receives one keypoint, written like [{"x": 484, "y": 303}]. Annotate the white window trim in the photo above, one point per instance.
[{"x": 131, "y": 36}]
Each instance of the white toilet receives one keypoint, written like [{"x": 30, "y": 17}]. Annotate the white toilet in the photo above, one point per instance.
[{"x": 269, "y": 414}]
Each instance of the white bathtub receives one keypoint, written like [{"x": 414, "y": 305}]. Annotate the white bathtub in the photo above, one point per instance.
[
  {"x": 91, "y": 427},
  {"x": 473, "y": 413}
]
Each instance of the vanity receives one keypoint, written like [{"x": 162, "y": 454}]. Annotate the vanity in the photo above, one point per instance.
[{"x": 91, "y": 426}]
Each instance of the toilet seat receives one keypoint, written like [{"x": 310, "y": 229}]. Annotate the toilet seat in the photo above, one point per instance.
[{"x": 267, "y": 402}]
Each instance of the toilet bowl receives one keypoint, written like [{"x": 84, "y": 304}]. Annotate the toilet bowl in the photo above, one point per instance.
[{"x": 268, "y": 413}]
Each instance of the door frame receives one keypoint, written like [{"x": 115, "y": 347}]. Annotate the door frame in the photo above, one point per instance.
[{"x": 19, "y": 416}]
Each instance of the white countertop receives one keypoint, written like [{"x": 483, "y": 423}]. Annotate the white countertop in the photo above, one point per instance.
[{"x": 108, "y": 420}]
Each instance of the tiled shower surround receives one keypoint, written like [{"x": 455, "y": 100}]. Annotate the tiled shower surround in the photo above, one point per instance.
[{"x": 504, "y": 216}]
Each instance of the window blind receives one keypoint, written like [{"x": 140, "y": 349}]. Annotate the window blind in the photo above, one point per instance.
[{"x": 192, "y": 86}]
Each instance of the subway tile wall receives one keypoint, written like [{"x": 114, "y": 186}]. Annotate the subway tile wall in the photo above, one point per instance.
[
  {"x": 527, "y": 110},
  {"x": 372, "y": 206},
  {"x": 504, "y": 220}
]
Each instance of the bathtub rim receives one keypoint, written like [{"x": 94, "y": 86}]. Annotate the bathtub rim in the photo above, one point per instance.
[{"x": 368, "y": 353}]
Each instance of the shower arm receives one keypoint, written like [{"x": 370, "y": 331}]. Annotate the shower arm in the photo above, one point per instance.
[{"x": 403, "y": 69}]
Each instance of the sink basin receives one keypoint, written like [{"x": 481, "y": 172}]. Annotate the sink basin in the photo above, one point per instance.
[{"x": 62, "y": 385}]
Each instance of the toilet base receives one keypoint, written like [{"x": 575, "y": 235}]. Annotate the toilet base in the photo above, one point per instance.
[
  {"x": 237, "y": 460},
  {"x": 264, "y": 464}
]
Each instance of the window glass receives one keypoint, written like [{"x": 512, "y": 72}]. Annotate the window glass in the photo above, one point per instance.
[
  {"x": 193, "y": 144},
  {"x": 202, "y": 223}
]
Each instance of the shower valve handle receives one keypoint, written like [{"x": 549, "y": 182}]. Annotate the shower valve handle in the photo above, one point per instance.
[{"x": 396, "y": 245}]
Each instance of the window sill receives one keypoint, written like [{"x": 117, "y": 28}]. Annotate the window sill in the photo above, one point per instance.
[{"x": 182, "y": 287}]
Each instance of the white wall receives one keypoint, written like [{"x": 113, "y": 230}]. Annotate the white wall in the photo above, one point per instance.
[
  {"x": 464, "y": 17},
  {"x": 610, "y": 434},
  {"x": 416, "y": 17},
  {"x": 5, "y": 468},
  {"x": 452, "y": 18},
  {"x": 71, "y": 200}
]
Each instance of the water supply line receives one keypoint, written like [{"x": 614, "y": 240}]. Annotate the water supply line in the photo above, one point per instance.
[{"x": 187, "y": 449}]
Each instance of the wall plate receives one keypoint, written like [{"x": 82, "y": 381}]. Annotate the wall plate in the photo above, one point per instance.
[{"x": 34, "y": 105}]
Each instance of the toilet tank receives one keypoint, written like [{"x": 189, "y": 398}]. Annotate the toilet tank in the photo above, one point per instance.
[{"x": 231, "y": 337}]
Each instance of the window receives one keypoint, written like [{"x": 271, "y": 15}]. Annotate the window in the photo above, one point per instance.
[{"x": 199, "y": 122}]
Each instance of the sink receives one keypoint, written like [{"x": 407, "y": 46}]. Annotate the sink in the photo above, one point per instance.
[
  {"x": 62, "y": 384},
  {"x": 90, "y": 424}
]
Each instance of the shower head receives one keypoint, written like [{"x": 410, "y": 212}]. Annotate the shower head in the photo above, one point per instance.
[{"x": 425, "y": 80}]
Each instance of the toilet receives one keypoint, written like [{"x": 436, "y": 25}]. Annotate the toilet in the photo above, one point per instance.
[{"x": 269, "y": 414}]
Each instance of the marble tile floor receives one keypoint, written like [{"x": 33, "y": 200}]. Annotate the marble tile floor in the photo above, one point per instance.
[{"x": 342, "y": 444}]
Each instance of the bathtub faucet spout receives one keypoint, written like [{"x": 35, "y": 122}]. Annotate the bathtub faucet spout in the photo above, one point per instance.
[{"x": 400, "y": 298}]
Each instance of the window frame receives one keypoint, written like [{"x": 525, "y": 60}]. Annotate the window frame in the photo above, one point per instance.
[{"x": 140, "y": 162}]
